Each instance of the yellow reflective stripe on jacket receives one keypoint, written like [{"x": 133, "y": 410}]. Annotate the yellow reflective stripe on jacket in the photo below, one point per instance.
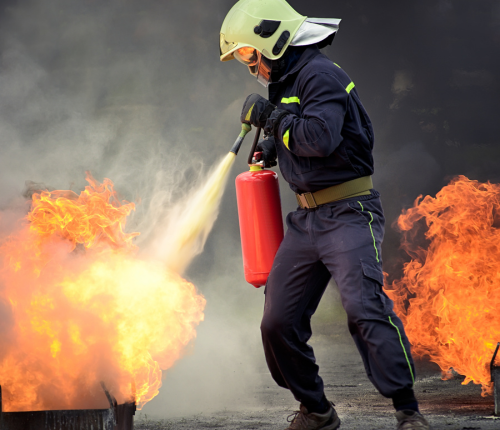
[
  {"x": 286, "y": 137},
  {"x": 290, "y": 100},
  {"x": 337, "y": 65},
  {"x": 349, "y": 87}
]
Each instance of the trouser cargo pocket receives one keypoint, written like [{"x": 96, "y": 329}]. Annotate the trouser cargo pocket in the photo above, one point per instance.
[{"x": 375, "y": 302}]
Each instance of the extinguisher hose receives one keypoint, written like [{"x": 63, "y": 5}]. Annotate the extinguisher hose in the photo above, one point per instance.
[
  {"x": 245, "y": 128},
  {"x": 254, "y": 145}
]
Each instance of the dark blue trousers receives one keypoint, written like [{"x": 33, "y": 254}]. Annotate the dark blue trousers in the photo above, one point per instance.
[{"x": 340, "y": 240}]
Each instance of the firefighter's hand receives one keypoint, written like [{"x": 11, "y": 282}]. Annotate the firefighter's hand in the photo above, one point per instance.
[
  {"x": 268, "y": 149},
  {"x": 256, "y": 110}
]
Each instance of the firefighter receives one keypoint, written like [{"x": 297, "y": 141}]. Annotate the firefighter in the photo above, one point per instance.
[{"x": 318, "y": 130}]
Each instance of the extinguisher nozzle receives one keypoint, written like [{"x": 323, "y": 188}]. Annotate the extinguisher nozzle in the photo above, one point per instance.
[{"x": 245, "y": 128}]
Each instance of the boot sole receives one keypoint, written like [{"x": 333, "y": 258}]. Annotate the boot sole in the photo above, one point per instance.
[{"x": 333, "y": 426}]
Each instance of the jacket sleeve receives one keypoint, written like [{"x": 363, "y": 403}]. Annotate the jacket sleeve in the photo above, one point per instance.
[{"x": 317, "y": 132}]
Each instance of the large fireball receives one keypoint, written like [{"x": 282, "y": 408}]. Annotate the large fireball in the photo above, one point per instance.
[
  {"x": 449, "y": 297},
  {"x": 83, "y": 307}
]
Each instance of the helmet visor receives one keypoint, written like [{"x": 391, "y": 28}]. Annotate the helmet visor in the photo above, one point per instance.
[
  {"x": 247, "y": 56},
  {"x": 258, "y": 65}
]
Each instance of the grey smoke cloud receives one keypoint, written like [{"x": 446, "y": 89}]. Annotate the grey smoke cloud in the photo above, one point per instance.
[{"x": 134, "y": 91}]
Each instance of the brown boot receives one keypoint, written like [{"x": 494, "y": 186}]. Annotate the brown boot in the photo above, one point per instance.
[
  {"x": 303, "y": 420},
  {"x": 411, "y": 420}
]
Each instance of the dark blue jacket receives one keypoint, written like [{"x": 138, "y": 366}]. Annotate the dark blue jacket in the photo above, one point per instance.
[{"x": 328, "y": 139}]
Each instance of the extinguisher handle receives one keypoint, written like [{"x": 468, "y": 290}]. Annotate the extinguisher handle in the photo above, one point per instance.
[{"x": 254, "y": 145}]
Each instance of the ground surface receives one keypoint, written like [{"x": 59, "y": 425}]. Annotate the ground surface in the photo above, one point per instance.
[{"x": 447, "y": 404}]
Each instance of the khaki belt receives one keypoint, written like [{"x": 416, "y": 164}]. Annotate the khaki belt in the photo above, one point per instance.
[{"x": 356, "y": 187}]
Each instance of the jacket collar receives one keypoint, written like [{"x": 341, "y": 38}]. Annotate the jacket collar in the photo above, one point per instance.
[
  {"x": 308, "y": 55},
  {"x": 274, "y": 89}
]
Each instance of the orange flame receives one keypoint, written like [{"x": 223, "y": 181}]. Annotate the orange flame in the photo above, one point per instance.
[
  {"x": 82, "y": 306},
  {"x": 95, "y": 217},
  {"x": 449, "y": 297}
]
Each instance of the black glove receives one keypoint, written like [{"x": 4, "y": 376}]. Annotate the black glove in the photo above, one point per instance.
[
  {"x": 256, "y": 110},
  {"x": 268, "y": 149},
  {"x": 274, "y": 121}
]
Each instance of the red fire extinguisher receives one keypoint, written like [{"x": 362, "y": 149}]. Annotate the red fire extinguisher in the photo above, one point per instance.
[{"x": 261, "y": 222}]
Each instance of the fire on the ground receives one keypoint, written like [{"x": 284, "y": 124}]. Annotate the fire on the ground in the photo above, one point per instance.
[{"x": 81, "y": 306}]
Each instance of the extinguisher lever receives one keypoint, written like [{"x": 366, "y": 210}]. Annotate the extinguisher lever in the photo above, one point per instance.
[{"x": 257, "y": 156}]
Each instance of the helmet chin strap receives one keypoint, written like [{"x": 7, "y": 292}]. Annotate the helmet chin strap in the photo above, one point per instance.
[{"x": 277, "y": 68}]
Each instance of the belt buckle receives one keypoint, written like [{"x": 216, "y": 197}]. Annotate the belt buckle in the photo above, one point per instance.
[{"x": 307, "y": 201}]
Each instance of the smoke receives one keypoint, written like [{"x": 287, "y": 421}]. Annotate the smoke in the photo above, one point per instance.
[
  {"x": 121, "y": 89},
  {"x": 134, "y": 91}
]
